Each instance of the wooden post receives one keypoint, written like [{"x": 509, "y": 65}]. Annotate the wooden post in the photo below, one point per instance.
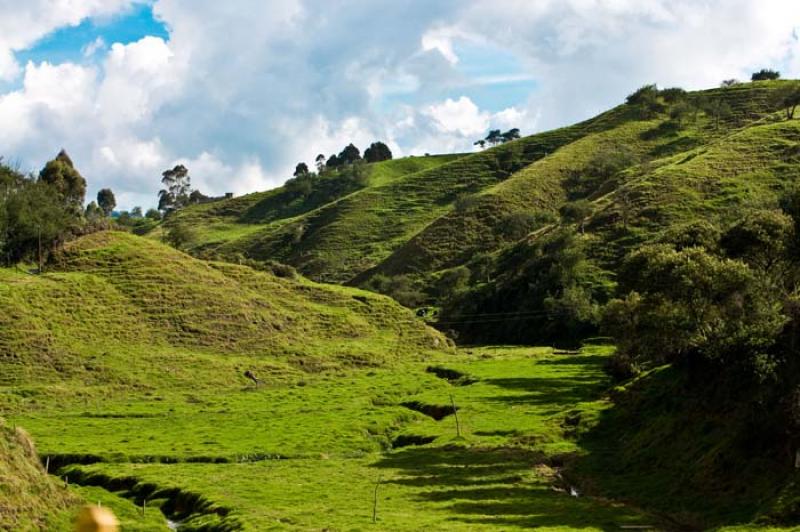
[
  {"x": 455, "y": 414},
  {"x": 375, "y": 502},
  {"x": 47, "y": 465}
]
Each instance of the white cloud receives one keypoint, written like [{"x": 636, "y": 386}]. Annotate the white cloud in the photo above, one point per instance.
[
  {"x": 94, "y": 47},
  {"x": 458, "y": 116},
  {"x": 242, "y": 90},
  {"x": 24, "y": 23}
]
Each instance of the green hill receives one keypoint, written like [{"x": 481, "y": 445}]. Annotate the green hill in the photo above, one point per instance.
[
  {"x": 116, "y": 299},
  {"x": 420, "y": 216}
]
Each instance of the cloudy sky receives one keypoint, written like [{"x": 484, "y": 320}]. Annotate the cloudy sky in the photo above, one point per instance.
[{"x": 241, "y": 90}]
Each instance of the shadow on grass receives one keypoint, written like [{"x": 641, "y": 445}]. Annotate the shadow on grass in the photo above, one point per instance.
[
  {"x": 497, "y": 486},
  {"x": 662, "y": 448},
  {"x": 558, "y": 393}
]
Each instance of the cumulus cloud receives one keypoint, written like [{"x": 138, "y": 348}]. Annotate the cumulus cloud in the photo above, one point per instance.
[
  {"x": 24, "y": 23},
  {"x": 242, "y": 90}
]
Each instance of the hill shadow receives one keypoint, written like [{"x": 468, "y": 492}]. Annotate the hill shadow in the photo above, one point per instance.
[{"x": 494, "y": 486}]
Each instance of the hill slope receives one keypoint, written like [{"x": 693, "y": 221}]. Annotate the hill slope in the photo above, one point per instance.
[
  {"x": 28, "y": 498},
  {"x": 117, "y": 297},
  {"x": 430, "y": 219}
]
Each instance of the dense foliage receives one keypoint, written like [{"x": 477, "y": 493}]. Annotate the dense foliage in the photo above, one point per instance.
[{"x": 37, "y": 214}]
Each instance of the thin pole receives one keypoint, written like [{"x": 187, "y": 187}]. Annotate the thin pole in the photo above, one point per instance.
[
  {"x": 375, "y": 501},
  {"x": 455, "y": 413}
]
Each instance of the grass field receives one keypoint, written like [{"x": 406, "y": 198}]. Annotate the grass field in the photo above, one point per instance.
[{"x": 520, "y": 412}]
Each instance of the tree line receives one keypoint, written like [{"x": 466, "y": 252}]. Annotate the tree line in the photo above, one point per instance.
[{"x": 347, "y": 168}]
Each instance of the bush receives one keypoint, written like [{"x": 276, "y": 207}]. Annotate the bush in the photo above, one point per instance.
[
  {"x": 180, "y": 236},
  {"x": 690, "y": 304},
  {"x": 765, "y": 74}
]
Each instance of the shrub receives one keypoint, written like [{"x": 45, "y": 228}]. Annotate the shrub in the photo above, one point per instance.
[{"x": 765, "y": 74}]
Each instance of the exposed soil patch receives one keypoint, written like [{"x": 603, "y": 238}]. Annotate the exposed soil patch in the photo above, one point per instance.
[
  {"x": 406, "y": 440},
  {"x": 453, "y": 376},
  {"x": 176, "y": 504},
  {"x": 437, "y": 412}
]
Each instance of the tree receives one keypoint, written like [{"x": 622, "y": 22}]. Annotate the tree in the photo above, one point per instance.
[
  {"x": 70, "y": 185},
  {"x": 300, "y": 170},
  {"x": 136, "y": 212},
  {"x": 646, "y": 101},
  {"x": 106, "y": 201},
  {"x": 765, "y": 74},
  {"x": 35, "y": 219},
  {"x": 494, "y": 137},
  {"x": 719, "y": 110},
  {"x": 679, "y": 111},
  {"x": 689, "y": 304},
  {"x": 197, "y": 197},
  {"x": 180, "y": 236},
  {"x": 480, "y": 143},
  {"x": 788, "y": 98},
  {"x": 349, "y": 155},
  {"x": 153, "y": 214},
  {"x": 518, "y": 225},
  {"x": 94, "y": 212},
  {"x": 377, "y": 151},
  {"x": 320, "y": 162},
  {"x": 728, "y": 83},
  {"x": 333, "y": 161},
  {"x": 178, "y": 187},
  {"x": 576, "y": 212},
  {"x": 673, "y": 94},
  {"x": 762, "y": 239},
  {"x": 511, "y": 134}
]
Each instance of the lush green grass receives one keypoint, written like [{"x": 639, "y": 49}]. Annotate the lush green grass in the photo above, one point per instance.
[{"x": 519, "y": 422}]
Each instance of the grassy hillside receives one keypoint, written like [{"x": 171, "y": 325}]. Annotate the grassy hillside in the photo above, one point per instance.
[
  {"x": 746, "y": 164},
  {"x": 117, "y": 299},
  {"x": 126, "y": 365},
  {"x": 421, "y": 220},
  {"x": 29, "y": 500},
  {"x": 232, "y": 220}
]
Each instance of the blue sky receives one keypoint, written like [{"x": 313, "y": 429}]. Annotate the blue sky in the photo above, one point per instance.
[
  {"x": 68, "y": 43},
  {"x": 242, "y": 90}
]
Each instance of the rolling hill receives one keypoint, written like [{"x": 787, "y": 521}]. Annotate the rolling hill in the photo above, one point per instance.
[{"x": 426, "y": 218}]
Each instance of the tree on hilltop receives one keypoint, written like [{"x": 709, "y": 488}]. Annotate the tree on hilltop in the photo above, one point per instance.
[
  {"x": 178, "y": 188},
  {"x": 300, "y": 170},
  {"x": 494, "y": 137},
  {"x": 349, "y": 155},
  {"x": 60, "y": 173},
  {"x": 320, "y": 162},
  {"x": 377, "y": 151},
  {"x": 765, "y": 74},
  {"x": 106, "y": 201},
  {"x": 646, "y": 101},
  {"x": 511, "y": 134}
]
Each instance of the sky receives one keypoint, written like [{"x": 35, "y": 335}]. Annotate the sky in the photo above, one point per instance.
[{"x": 240, "y": 91}]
